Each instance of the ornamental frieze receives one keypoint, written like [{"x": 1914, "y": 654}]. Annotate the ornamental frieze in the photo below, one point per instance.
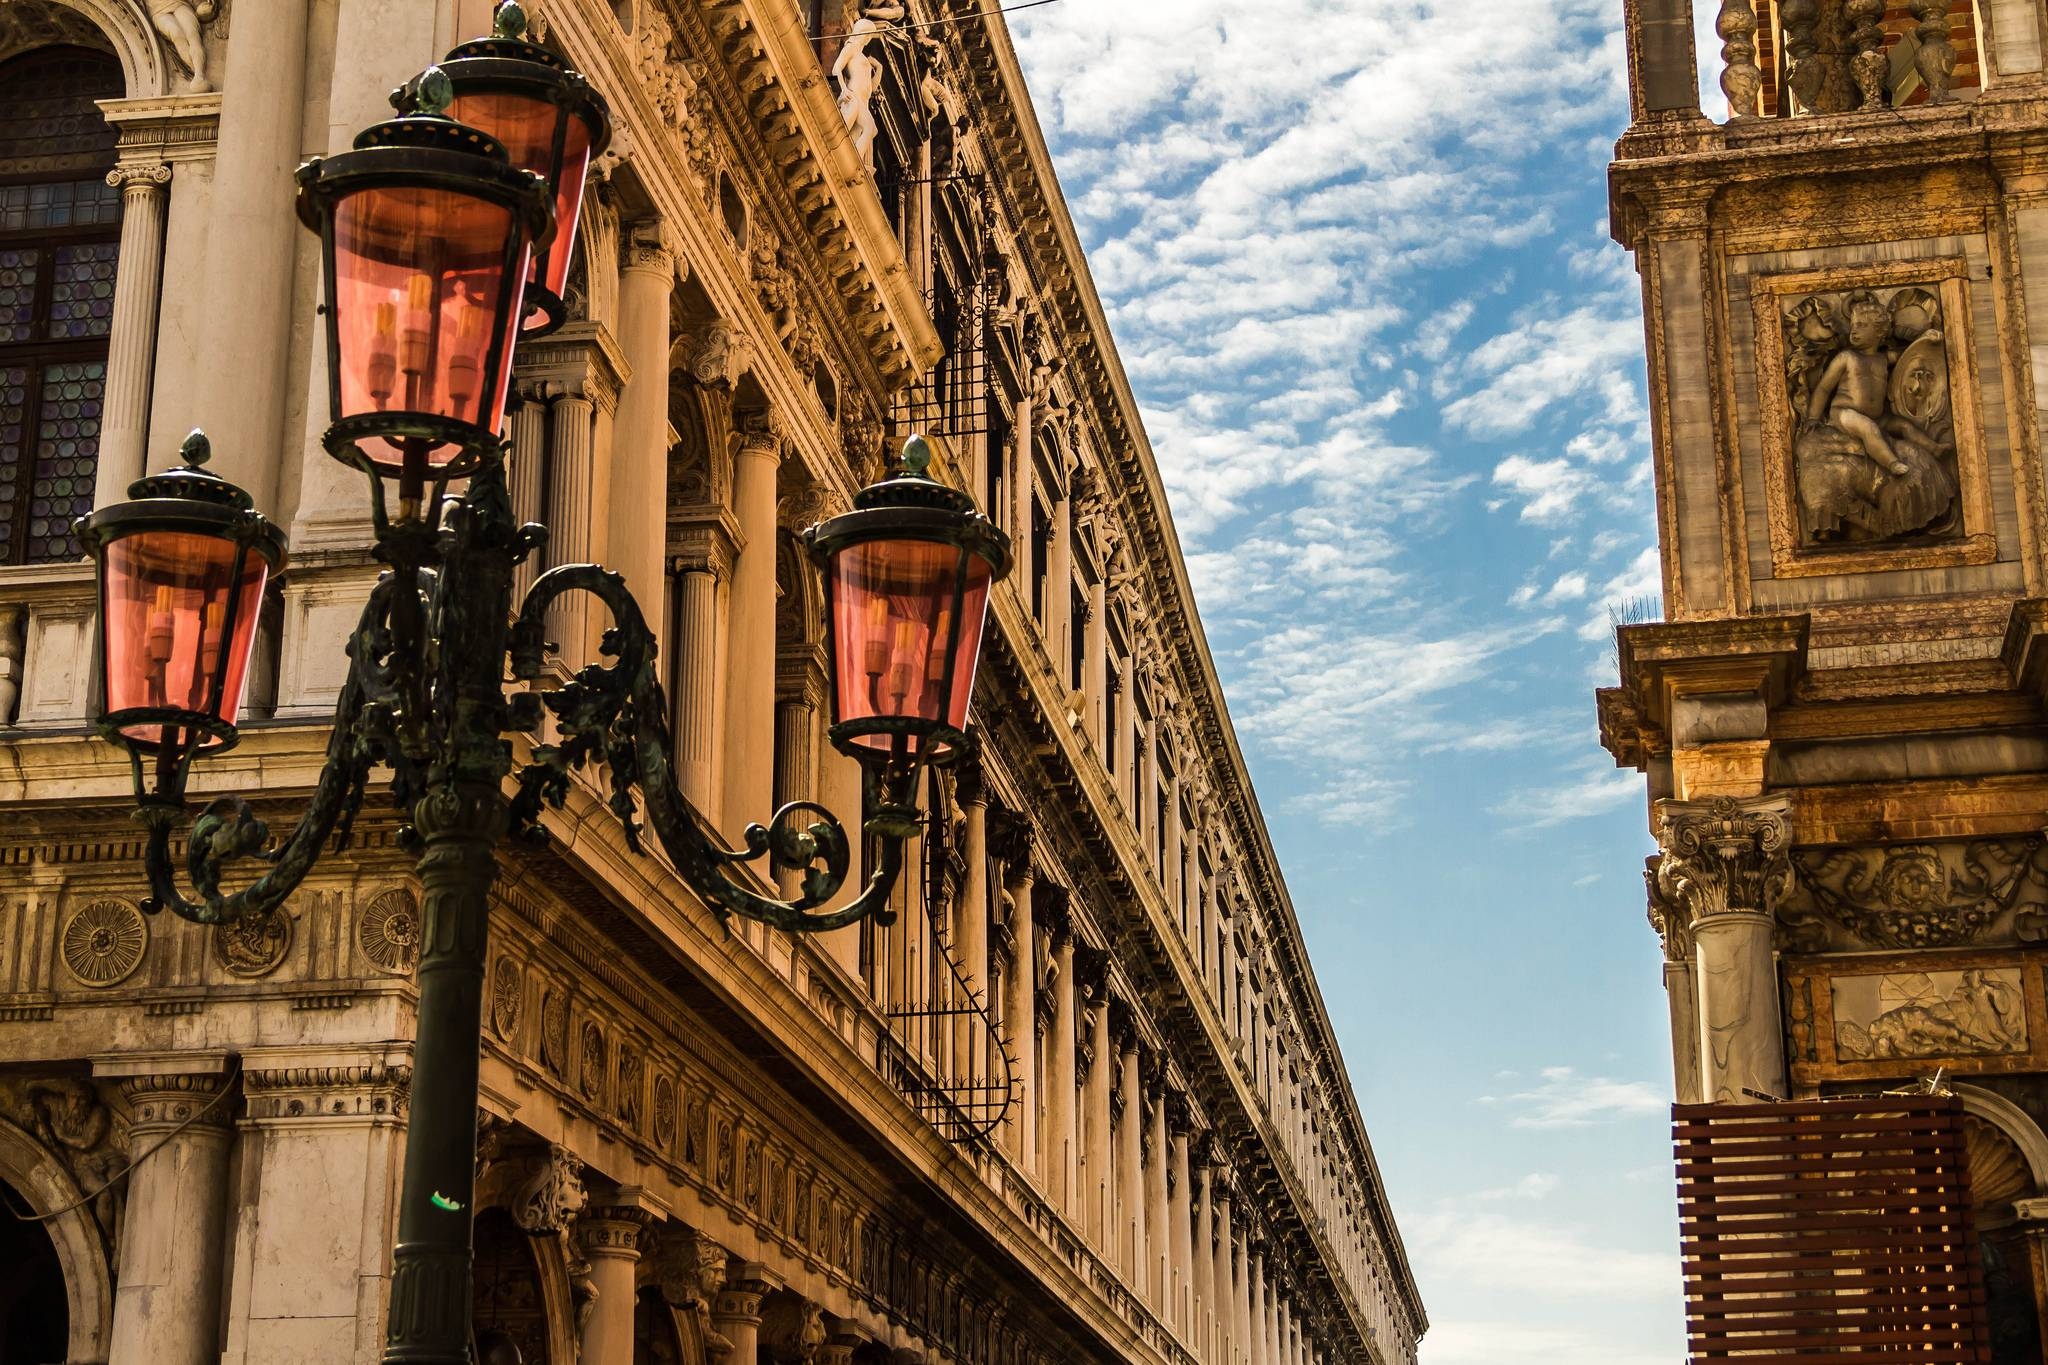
[
  {"x": 1910, "y": 896},
  {"x": 253, "y": 945}
]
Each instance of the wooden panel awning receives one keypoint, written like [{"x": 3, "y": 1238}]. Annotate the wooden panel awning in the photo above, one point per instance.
[{"x": 1829, "y": 1232}]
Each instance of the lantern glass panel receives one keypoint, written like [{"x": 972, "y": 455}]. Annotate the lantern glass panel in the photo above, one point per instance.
[
  {"x": 525, "y": 125},
  {"x": 419, "y": 300},
  {"x": 893, "y": 615},
  {"x": 164, "y": 609}
]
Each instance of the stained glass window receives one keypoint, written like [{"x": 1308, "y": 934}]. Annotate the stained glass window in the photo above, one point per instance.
[{"x": 59, "y": 220}]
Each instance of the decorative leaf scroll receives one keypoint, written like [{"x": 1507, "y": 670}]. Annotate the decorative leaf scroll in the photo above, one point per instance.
[{"x": 1911, "y": 896}]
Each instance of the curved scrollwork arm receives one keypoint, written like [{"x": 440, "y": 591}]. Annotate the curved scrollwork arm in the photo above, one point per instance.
[
  {"x": 616, "y": 713},
  {"x": 229, "y": 829}
]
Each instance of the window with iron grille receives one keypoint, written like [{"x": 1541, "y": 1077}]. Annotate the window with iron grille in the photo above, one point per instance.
[{"x": 59, "y": 228}]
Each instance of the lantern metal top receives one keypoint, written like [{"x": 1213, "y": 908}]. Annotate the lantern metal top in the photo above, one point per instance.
[
  {"x": 509, "y": 62},
  {"x": 186, "y": 497},
  {"x": 911, "y": 505}
]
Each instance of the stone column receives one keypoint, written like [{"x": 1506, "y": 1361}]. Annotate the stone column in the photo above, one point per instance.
[
  {"x": 1191, "y": 919},
  {"x": 970, "y": 927},
  {"x": 795, "y": 719},
  {"x": 1726, "y": 861},
  {"x": 1021, "y": 487},
  {"x": 1284, "y": 1334},
  {"x": 736, "y": 1311},
  {"x": 526, "y": 472},
  {"x": 1126, "y": 744},
  {"x": 702, "y": 567},
  {"x": 1256, "y": 1280},
  {"x": 638, "y": 521},
  {"x": 1099, "y": 1182},
  {"x": 610, "y": 1240},
  {"x": 1223, "y": 1276},
  {"x": 572, "y": 538},
  {"x": 1059, "y": 588},
  {"x": 750, "y": 632},
  {"x": 253, "y": 245},
  {"x": 1130, "y": 1162},
  {"x": 131, "y": 334},
  {"x": 1681, "y": 991},
  {"x": 1180, "y": 1222},
  {"x": 1157, "y": 1245},
  {"x": 1020, "y": 1007},
  {"x": 315, "y": 1209},
  {"x": 1146, "y": 798},
  {"x": 1241, "y": 1308},
  {"x": 1061, "y": 1082},
  {"x": 1202, "y": 1336},
  {"x": 1095, "y": 664},
  {"x": 167, "y": 1299}
]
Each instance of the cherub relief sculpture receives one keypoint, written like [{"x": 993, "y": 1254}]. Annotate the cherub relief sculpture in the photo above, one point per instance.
[
  {"x": 857, "y": 76},
  {"x": 1873, "y": 440}
]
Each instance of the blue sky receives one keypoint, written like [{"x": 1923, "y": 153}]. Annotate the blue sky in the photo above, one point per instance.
[{"x": 1356, "y": 260}]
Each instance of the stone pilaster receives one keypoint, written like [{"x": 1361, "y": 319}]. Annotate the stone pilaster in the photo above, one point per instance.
[
  {"x": 1725, "y": 864},
  {"x": 750, "y": 632},
  {"x": 638, "y": 512},
  {"x": 1061, "y": 1080},
  {"x": 167, "y": 1295}
]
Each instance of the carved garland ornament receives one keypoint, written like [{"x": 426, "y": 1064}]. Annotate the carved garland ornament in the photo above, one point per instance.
[
  {"x": 103, "y": 942},
  {"x": 1914, "y": 896},
  {"x": 554, "y": 1030},
  {"x": 390, "y": 931}
]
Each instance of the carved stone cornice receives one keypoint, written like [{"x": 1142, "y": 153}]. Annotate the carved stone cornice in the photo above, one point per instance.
[
  {"x": 1725, "y": 856},
  {"x": 170, "y": 128},
  {"x": 707, "y": 545},
  {"x": 583, "y": 360}
]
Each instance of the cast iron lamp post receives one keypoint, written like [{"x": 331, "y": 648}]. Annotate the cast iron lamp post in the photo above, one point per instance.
[{"x": 428, "y": 234}]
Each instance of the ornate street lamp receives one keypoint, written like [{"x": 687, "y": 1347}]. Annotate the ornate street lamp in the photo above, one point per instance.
[
  {"x": 550, "y": 122},
  {"x": 426, "y": 230}
]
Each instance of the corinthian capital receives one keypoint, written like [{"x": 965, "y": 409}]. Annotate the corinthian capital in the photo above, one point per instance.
[
  {"x": 712, "y": 352},
  {"x": 1724, "y": 856},
  {"x": 1667, "y": 914}
]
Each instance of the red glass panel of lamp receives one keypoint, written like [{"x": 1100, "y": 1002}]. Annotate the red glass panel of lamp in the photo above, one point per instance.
[
  {"x": 893, "y": 605},
  {"x": 419, "y": 283},
  {"x": 166, "y": 599},
  {"x": 526, "y": 127}
]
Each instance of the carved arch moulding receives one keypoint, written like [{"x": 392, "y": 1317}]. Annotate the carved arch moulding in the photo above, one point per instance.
[
  {"x": 162, "y": 44},
  {"x": 41, "y": 1178}
]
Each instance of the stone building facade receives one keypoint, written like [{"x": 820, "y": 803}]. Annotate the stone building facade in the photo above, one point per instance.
[
  {"x": 1841, "y": 715},
  {"x": 1079, "y": 1102}
]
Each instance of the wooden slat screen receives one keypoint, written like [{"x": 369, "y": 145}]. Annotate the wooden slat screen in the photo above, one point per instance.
[{"x": 1829, "y": 1232}]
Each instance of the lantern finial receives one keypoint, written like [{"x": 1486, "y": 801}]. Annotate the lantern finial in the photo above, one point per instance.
[
  {"x": 510, "y": 21},
  {"x": 917, "y": 456},
  {"x": 196, "y": 450},
  {"x": 432, "y": 94}
]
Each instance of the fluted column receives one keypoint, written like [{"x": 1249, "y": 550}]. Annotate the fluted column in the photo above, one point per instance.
[
  {"x": 167, "y": 1299},
  {"x": 1021, "y": 487},
  {"x": 638, "y": 512},
  {"x": 702, "y": 566},
  {"x": 736, "y": 1311},
  {"x": 750, "y": 630},
  {"x": 1241, "y": 1271},
  {"x": 1020, "y": 1008},
  {"x": 1147, "y": 795},
  {"x": 526, "y": 471},
  {"x": 1158, "y": 1247},
  {"x": 571, "y": 532},
  {"x": 1061, "y": 1081},
  {"x": 1681, "y": 991},
  {"x": 1284, "y": 1334},
  {"x": 1255, "y": 1275},
  {"x": 1725, "y": 862},
  {"x": 1191, "y": 918},
  {"x": 1059, "y": 587},
  {"x": 1095, "y": 664},
  {"x": 131, "y": 333},
  {"x": 1097, "y": 1178},
  {"x": 1180, "y": 1223},
  {"x": 1203, "y": 1333},
  {"x": 1223, "y": 1276},
  {"x": 1127, "y": 753},
  {"x": 1130, "y": 1167},
  {"x": 795, "y": 719},
  {"x": 610, "y": 1240},
  {"x": 970, "y": 927}
]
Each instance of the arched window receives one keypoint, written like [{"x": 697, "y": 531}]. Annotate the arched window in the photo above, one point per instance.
[{"x": 59, "y": 225}]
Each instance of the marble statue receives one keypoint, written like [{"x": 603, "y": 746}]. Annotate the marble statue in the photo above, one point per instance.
[
  {"x": 178, "y": 21},
  {"x": 1873, "y": 442},
  {"x": 858, "y": 77}
]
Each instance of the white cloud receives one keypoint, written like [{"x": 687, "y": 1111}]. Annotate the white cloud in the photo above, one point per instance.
[
  {"x": 1533, "y": 1186},
  {"x": 1550, "y": 489},
  {"x": 1497, "y": 1342},
  {"x": 1563, "y": 1098}
]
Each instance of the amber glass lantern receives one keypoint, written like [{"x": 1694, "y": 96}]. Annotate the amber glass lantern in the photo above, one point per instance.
[
  {"x": 182, "y": 567},
  {"x": 426, "y": 233},
  {"x": 907, "y": 576},
  {"x": 549, "y": 121}
]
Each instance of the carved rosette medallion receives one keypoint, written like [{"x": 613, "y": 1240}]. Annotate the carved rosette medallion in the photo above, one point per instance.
[
  {"x": 554, "y": 1030},
  {"x": 664, "y": 1112},
  {"x": 505, "y": 996},
  {"x": 103, "y": 942},
  {"x": 253, "y": 945},
  {"x": 591, "y": 1079},
  {"x": 390, "y": 931}
]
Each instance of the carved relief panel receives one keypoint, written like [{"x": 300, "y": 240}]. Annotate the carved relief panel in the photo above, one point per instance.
[
  {"x": 1873, "y": 450},
  {"x": 1875, "y": 1017}
]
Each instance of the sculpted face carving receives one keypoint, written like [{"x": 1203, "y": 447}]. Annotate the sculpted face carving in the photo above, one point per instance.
[{"x": 1873, "y": 445}]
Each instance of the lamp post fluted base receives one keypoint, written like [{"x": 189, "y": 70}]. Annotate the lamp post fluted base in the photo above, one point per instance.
[{"x": 460, "y": 824}]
